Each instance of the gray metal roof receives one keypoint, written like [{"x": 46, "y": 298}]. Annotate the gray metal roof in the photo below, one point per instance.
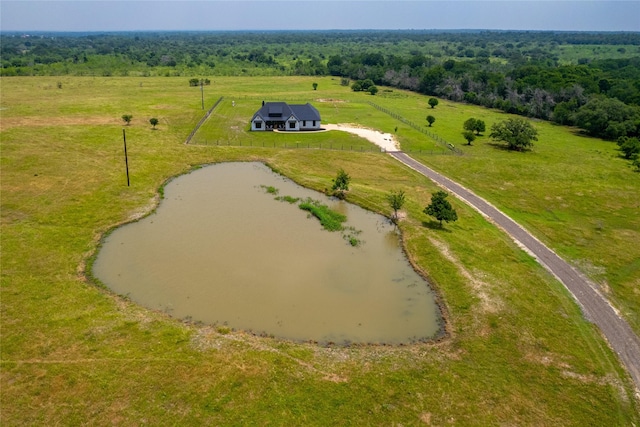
[
  {"x": 305, "y": 112},
  {"x": 282, "y": 111}
]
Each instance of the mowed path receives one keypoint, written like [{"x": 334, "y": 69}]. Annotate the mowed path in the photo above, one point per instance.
[{"x": 595, "y": 306}]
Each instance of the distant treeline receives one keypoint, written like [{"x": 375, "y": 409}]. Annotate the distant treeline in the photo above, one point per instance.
[{"x": 591, "y": 80}]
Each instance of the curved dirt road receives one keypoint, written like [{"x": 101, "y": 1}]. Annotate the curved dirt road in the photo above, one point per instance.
[{"x": 595, "y": 306}]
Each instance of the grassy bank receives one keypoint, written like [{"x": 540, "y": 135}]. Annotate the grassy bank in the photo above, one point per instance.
[
  {"x": 574, "y": 193},
  {"x": 518, "y": 352}
]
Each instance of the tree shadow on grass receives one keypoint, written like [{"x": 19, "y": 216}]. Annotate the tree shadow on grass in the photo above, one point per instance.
[
  {"x": 504, "y": 147},
  {"x": 435, "y": 225}
]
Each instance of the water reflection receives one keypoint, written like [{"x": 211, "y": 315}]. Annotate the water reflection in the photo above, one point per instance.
[{"x": 221, "y": 250}]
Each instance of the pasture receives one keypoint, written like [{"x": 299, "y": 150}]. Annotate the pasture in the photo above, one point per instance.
[{"x": 518, "y": 350}]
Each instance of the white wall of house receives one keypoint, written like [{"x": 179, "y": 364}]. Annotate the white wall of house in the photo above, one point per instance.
[
  {"x": 292, "y": 124},
  {"x": 309, "y": 124},
  {"x": 258, "y": 125}
]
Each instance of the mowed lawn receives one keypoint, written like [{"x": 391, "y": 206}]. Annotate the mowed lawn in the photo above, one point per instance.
[{"x": 518, "y": 351}]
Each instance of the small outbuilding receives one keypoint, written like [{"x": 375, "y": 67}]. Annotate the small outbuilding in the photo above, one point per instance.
[{"x": 284, "y": 117}]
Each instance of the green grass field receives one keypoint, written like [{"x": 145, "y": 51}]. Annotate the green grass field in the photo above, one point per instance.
[{"x": 518, "y": 351}]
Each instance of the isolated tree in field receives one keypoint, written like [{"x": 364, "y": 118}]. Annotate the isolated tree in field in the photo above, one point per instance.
[
  {"x": 153, "y": 122},
  {"x": 396, "y": 201},
  {"x": 469, "y": 136},
  {"x": 474, "y": 125},
  {"x": 341, "y": 184},
  {"x": 127, "y": 118},
  {"x": 315, "y": 86},
  {"x": 433, "y": 102},
  {"x": 440, "y": 208},
  {"x": 517, "y": 133},
  {"x": 430, "y": 119},
  {"x": 373, "y": 90}
]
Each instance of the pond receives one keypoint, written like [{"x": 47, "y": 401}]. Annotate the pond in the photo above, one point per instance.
[{"x": 222, "y": 250}]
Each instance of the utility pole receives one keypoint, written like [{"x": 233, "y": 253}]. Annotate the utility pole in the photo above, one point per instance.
[
  {"x": 126, "y": 159},
  {"x": 202, "y": 91}
]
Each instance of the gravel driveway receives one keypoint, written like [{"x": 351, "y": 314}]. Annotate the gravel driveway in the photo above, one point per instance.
[{"x": 595, "y": 306}]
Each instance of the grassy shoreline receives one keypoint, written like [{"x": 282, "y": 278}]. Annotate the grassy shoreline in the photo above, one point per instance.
[{"x": 73, "y": 353}]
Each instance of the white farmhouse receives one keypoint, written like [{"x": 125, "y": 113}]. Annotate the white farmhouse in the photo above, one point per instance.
[{"x": 284, "y": 117}]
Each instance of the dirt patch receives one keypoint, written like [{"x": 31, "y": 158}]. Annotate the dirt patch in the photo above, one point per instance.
[
  {"x": 488, "y": 303},
  {"x": 425, "y": 417}
]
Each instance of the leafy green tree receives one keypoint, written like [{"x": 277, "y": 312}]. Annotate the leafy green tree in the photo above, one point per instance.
[
  {"x": 341, "y": 184},
  {"x": 366, "y": 84},
  {"x": 608, "y": 118},
  {"x": 430, "y": 119},
  {"x": 315, "y": 86},
  {"x": 396, "y": 201},
  {"x": 433, "y": 102},
  {"x": 563, "y": 112},
  {"x": 153, "y": 122},
  {"x": 469, "y": 136},
  {"x": 630, "y": 147},
  {"x": 476, "y": 125},
  {"x": 127, "y": 118},
  {"x": 373, "y": 89},
  {"x": 432, "y": 78},
  {"x": 469, "y": 124},
  {"x": 517, "y": 133},
  {"x": 334, "y": 66},
  {"x": 440, "y": 208}
]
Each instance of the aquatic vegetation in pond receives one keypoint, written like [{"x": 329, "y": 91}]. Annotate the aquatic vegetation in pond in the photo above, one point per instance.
[
  {"x": 330, "y": 220},
  {"x": 288, "y": 199},
  {"x": 349, "y": 234},
  {"x": 256, "y": 265},
  {"x": 270, "y": 189}
]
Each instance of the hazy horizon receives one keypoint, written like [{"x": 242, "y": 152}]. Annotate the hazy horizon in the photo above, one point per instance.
[{"x": 318, "y": 15}]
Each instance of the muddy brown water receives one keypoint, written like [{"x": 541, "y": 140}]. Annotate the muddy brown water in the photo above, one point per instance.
[{"x": 221, "y": 250}]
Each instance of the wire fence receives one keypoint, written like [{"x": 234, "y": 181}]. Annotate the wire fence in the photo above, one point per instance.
[
  {"x": 419, "y": 128},
  {"x": 368, "y": 148},
  {"x": 447, "y": 148},
  {"x": 292, "y": 145},
  {"x": 202, "y": 120}
]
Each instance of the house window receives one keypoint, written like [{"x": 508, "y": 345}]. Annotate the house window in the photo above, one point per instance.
[
  {"x": 304, "y": 123},
  {"x": 292, "y": 125},
  {"x": 258, "y": 125},
  {"x": 314, "y": 123}
]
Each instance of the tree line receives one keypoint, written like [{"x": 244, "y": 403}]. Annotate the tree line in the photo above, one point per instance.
[{"x": 590, "y": 80}]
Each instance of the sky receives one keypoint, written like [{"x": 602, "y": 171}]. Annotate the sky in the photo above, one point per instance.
[{"x": 225, "y": 15}]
